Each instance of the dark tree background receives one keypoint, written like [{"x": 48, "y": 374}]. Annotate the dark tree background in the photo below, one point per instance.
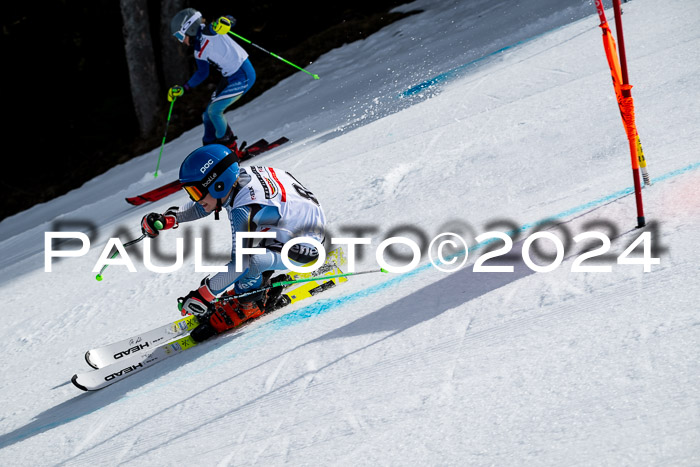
[{"x": 66, "y": 85}]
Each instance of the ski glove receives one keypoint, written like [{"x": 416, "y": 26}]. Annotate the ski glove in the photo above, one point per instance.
[
  {"x": 176, "y": 91},
  {"x": 152, "y": 223},
  {"x": 223, "y": 25},
  {"x": 198, "y": 302}
]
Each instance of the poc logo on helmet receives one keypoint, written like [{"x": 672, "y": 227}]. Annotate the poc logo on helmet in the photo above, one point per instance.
[{"x": 206, "y": 166}]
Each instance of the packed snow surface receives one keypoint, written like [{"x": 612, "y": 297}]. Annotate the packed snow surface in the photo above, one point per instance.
[{"x": 467, "y": 117}]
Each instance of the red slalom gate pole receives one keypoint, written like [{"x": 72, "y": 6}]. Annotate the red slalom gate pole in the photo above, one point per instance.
[
  {"x": 618, "y": 69},
  {"x": 627, "y": 94}
]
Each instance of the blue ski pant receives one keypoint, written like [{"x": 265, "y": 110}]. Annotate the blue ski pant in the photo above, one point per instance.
[{"x": 229, "y": 91}]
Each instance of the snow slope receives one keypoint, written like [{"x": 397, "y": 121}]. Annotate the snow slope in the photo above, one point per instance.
[{"x": 468, "y": 117}]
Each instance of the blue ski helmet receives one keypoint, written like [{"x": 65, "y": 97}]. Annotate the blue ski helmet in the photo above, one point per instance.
[{"x": 210, "y": 169}]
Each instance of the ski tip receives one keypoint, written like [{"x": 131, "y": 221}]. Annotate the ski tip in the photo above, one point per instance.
[
  {"x": 383, "y": 270},
  {"x": 75, "y": 382},
  {"x": 136, "y": 201},
  {"x": 87, "y": 359}
]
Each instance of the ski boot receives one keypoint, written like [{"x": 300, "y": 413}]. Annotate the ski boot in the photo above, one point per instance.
[
  {"x": 222, "y": 316},
  {"x": 252, "y": 309},
  {"x": 229, "y": 140},
  {"x": 230, "y": 312},
  {"x": 241, "y": 152},
  {"x": 252, "y": 306}
]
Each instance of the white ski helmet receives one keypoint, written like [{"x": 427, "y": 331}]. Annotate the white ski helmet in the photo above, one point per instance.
[{"x": 185, "y": 22}]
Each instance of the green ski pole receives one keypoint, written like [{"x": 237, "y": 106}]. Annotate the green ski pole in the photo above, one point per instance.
[
  {"x": 223, "y": 26},
  {"x": 298, "y": 281},
  {"x": 323, "y": 278},
  {"x": 167, "y": 124},
  {"x": 158, "y": 225}
]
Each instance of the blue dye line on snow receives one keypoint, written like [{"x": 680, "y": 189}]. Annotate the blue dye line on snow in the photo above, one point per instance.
[
  {"x": 454, "y": 72},
  {"x": 323, "y": 306}
]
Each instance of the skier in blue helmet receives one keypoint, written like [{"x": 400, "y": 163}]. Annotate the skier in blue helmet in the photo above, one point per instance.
[
  {"x": 256, "y": 199},
  {"x": 214, "y": 48}
]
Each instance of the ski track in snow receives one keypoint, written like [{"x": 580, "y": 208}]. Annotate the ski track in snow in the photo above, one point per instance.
[{"x": 501, "y": 118}]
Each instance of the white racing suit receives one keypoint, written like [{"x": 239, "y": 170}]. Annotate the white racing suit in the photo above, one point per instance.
[{"x": 264, "y": 199}]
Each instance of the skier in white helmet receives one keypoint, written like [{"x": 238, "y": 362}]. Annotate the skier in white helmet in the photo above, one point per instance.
[{"x": 212, "y": 49}]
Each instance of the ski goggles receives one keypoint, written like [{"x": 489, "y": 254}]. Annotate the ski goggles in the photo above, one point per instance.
[
  {"x": 199, "y": 190},
  {"x": 180, "y": 35},
  {"x": 195, "y": 193}
]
